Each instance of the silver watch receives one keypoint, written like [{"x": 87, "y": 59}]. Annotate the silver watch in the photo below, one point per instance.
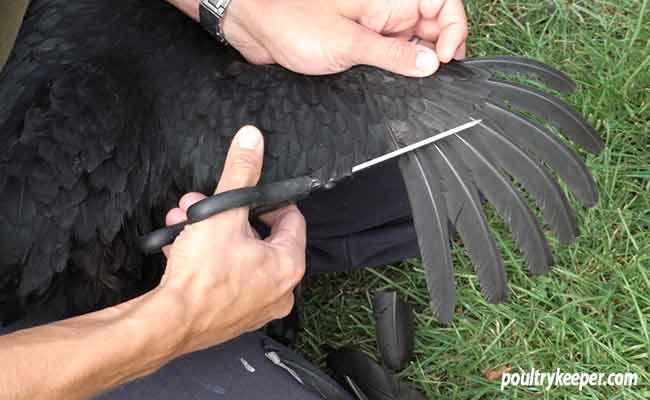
[{"x": 211, "y": 13}]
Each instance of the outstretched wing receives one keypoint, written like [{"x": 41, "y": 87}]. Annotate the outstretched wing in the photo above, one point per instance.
[
  {"x": 488, "y": 159},
  {"x": 324, "y": 125},
  {"x": 102, "y": 118}
]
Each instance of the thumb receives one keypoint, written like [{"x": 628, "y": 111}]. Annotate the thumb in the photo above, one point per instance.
[
  {"x": 393, "y": 54},
  {"x": 242, "y": 168},
  {"x": 243, "y": 164}
]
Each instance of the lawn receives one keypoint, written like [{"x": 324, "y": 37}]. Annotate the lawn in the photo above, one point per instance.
[{"x": 591, "y": 313}]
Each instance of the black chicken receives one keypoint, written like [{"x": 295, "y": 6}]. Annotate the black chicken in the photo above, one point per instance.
[{"x": 110, "y": 110}]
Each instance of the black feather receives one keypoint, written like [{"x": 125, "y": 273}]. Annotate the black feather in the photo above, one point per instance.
[
  {"x": 547, "y": 148},
  {"x": 535, "y": 179},
  {"x": 352, "y": 367},
  {"x": 430, "y": 218},
  {"x": 466, "y": 214},
  {"x": 551, "y": 77},
  {"x": 500, "y": 192},
  {"x": 554, "y": 110},
  {"x": 425, "y": 191},
  {"x": 395, "y": 330}
]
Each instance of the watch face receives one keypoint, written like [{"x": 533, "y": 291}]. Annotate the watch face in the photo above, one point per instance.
[{"x": 216, "y": 7}]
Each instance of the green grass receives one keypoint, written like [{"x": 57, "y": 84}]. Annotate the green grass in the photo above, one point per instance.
[{"x": 592, "y": 312}]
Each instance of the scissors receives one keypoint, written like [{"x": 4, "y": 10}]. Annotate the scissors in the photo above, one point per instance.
[{"x": 270, "y": 196}]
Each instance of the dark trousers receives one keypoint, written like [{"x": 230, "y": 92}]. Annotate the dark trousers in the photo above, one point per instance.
[{"x": 237, "y": 370}]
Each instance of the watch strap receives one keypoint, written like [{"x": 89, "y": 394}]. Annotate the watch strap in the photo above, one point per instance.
[{"x": 211, "y": 13}]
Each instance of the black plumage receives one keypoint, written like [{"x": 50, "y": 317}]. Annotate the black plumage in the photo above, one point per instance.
[
  {"x": 110, "y": 110},
  {"x": 465, "y": 212},
  {"x": 499, "y": 191},
  {"x": 428, "y": 203},
  {"x": 395, "y": 329}
]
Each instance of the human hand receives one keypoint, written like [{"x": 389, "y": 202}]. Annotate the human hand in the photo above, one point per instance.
[
  {"x": 445, "y": 24},
  {"x": 226, "y": 280},
  {"x": 329, "y": 36}
]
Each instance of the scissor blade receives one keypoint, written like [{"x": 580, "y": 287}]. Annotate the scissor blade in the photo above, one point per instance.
[{"x": 415, "y": 145}]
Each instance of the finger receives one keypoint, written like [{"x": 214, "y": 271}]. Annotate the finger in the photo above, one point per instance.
[
  {"x": 427, "y": 30},
  {"x": 288, "y": 239},
  {"x": 270, "y": 217},
  {"x": 395, "y": 55},
  {"x": 451, "y": 38},
  {"x": 429, "y": 9},
  {"x": 189, "y": 199},
  {"x": 430, "y": 45},
  {"x": 461, "y": 52},
  {"x": 243, "y": 167},
  {"x": 403, "y": 35},
  {"x": 179, "y": 214},
  {"x": 453, "y": 31},
  {"x": 175, "y": 216},
  {"x": 166, "y": 250},
  {"x": 288, "y": 228}
]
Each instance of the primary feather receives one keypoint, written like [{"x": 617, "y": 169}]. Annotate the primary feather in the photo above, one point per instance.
[
  {"x": 111, "y": 110},
  {"x": 424, "y": 189},
  {"x": 499, "y": 191},
  {"x": 546, "y": 147},
  {"x": 466, "y": 214},
  {"x": 535, "y": 179}
]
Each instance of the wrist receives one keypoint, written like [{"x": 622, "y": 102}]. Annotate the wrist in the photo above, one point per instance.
[
  {"x": 188, "y": 7},
  {"x": 183, "y": 307},
  {"x": 158, "y": 318},
  {"x": 235, "y": 17}
]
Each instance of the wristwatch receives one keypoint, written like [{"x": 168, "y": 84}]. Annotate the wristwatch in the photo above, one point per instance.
[{"x": 211, "y": 13}]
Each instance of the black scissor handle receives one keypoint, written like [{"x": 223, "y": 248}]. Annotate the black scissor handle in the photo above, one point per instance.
[
  {"x": 154, "y": 241},
  {"x": 260, "y": 198}
]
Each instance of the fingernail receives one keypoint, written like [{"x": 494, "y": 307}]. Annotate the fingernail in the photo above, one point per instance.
[
  {"x": 425, "y": 59},
  {"x": 249, "y": 137}
]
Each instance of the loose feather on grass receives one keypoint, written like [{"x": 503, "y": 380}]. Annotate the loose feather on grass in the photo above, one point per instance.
[{"x": 395, "y": 329}]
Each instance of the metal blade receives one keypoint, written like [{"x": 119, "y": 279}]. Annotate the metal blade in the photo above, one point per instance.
[{"x": 415, "y": 145}]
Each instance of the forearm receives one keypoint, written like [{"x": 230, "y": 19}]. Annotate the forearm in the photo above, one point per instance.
[{"x": 83, "y": 356}]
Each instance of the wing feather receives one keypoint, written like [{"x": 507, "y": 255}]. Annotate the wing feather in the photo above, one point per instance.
[
  {"x": 500, "y": 192},
  {"x": 554, "y": 110},
  {"x": 466, "y": 214},
  {"x": 551, "y": 77},
  {"x": 535, "y": 179},
  {"x": 424, "y": 188},
  {"x": 549, "y": 149}
]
